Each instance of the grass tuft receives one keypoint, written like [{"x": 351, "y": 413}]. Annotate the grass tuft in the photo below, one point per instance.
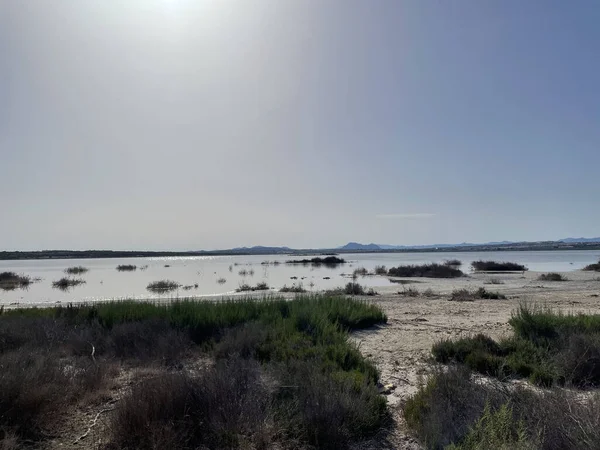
[
  {"x": 299, "y": 289},
  {"x": 77, "y": 270},
  {"x": 67, "y": 283},
  {"x": 245, "y": 287},
  {"x": 465, "y": 295},
  {"x": 128, "y": 268},
  {"x": 553, "y": 276},
  {"x": 10, "y": 281},
  {"x": 163, "y": 286}
]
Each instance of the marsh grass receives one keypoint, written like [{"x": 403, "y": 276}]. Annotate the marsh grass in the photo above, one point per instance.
[
  {"x": 593, "y": 267},
  {"x": 497, "y": 266},
  {"x": 466, "y": 295},
  {"x": 360, "y": 271},
  {"x": 494, "y": 281},
  {"x": 453, "y": 262},
  {"x": 245, "y": 287},
  {"x": 552, "y": 276},
  {"x": 380, "y": 270},
  {"x": 10, "y": 281},
  {"x": 425, "y": 270},
  {"x": 357, "y": 289},
  {"x": 65, "y": 284},
  {"x": 299, "y": 289},
  {"x": 221, "y": 280},
  {"x": 328, "y": 261},
  {"x": 128, "y": 268},
  {"x": 163, "y": 286},
  {"x": 547, "y": 348},
  {"x": 76, "y": 270},
  {"x": 285, "y": 373}
]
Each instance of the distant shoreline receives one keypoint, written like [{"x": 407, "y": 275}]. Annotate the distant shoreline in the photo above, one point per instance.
[{"x": 102, "y": 254}]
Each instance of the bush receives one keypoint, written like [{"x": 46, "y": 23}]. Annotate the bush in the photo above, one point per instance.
[
  {"x": 497, "y": 266},
  {"x": 380, "y": 270},
  {"x": 77, "y": 270},
  {"x": 464, "y": 295},
  {"x": 67, "y": 283},
  {"x": 498, "y": 430},
  {"x": 453, "y": 262},
  {"x": 361, "y": 271},
  {"x": 330, "y": 261},
  {"x": 163, "y": 286},
  {"x": 244, "y": 287},
  {"x": 426, "y": 270},
  {"x": 357, "y": 289},
  {"x": 410, "y": 292},
  {"x": 126, "y": 267},
  {"x": 224, "y": 407},
  {"x": 547, "y": 348},
  {"x": 552, "y": 277},
  {"x": 299, "y": 289},
  {"x": 10, "y": 281},
  {"x": 454, "y": 411},
  {"x": 593, "y": 267}
]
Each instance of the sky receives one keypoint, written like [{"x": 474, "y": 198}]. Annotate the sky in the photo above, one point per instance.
[{"x": 205, "y": 124}]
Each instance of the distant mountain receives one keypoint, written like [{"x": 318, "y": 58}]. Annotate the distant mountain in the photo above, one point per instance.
[
  {"x": 361, "y": 247},
  {"x": 259, "y": 249},
  {"x": 579, "y": 240},
  {"x": 418, "y": 247}
]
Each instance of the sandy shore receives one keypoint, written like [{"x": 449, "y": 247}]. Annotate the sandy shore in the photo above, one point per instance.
[{"x": 402, "y": 348}]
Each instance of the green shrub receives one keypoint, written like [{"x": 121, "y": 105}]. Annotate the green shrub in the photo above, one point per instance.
[{"x": 496, "y": 430}]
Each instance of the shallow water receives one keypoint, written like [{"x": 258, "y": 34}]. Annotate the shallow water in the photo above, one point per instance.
[{"x": 104, "y": 282}]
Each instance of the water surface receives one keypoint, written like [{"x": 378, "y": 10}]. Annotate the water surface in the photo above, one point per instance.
[{"x": 104, "y": 282}]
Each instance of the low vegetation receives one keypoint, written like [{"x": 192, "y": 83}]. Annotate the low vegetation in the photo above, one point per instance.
[
  {"x": 380, "y": 270},
  {"x": 453, "y": 411},
  {"x": 453, "y": 262},
  {"x": 547, "y": 348},
  {"x": 497, "y": 266},
  {"x": 494, "y": 281},
  {"x": 553, "y": 276},
  {"x": 221, "y": 280},
  {"x": 426, "y": 270},
  {"x": 127, "y": 268},
  {"x": 593, "y": 267},
  {"x": 67, "y": 283},
  {"x": 76, "y": 270},
  {"x": 163, "y": 286},
  {"x": 10, "y": 281},
  {"x": 360, "y": 272},
  {"x": 466, "y": 295},
  {"x": 357, "y": 289},
  {"x": 297, "y": 288},
  {"x": 329, "y": 261},
  {"x": 284, "y": 374},
  {"x": 245, "y": 287}
]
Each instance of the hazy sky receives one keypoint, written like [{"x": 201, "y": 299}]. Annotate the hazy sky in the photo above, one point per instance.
[{"x": 200, "y": 124}]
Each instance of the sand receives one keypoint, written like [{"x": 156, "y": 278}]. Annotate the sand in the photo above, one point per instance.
[{"x": 402, "y": 348}]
